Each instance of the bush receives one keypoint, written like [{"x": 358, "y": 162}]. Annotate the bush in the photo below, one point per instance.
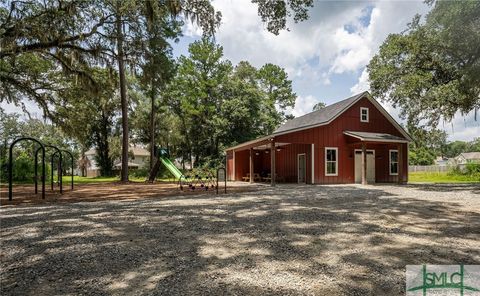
[
  {"x": 472, "y": 168},
  {"x": 142, "y": 172}
]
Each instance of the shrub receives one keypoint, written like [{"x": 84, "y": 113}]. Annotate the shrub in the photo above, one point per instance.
[{"x": 472, "y": 168}]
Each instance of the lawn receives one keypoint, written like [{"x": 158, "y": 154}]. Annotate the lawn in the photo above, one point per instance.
[{"x": 441, "y": 177}]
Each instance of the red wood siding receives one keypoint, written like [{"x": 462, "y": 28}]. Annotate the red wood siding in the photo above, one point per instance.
[
  {"x": 229, "y": 164},
  {"x": 331, "y": 135}
]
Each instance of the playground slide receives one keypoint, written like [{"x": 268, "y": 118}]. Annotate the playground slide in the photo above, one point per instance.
[{"x": 171, "y": 167}]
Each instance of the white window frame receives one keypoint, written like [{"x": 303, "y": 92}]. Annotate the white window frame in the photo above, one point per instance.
[
  {"x": 390, "y": 162},
  {"x": 361, "y": 114},
  {"x": 336, "y": 162}
]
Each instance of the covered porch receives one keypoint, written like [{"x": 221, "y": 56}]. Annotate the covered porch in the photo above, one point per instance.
[
  {"x": 378, "y": 157},
  {"x": 268, "y": 161}
]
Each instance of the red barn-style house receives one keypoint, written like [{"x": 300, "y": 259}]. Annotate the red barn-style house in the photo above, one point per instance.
[{"x": 351, "y": 141}]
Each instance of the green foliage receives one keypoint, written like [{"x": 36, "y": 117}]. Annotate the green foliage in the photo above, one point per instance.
[
  {"x": 472, "y": 169},
  {"x": 275, "y": 13},
  {"x": 23, "y": 168},
  {"x": 318, "y": 106},
  {"x": 218, "y": 105},
  {"x": 421, "y": 156},
  {"x": 454, "y": 148},
  {"x": 441, "y": 177},
  {"x": 69, "y": 56},
  {"x": 432, "y": 70}
]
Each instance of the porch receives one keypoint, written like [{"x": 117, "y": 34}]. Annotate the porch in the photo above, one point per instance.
[{"x": 255, "y": 162}]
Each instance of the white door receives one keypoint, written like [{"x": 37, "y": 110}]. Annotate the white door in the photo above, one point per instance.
[
  {"x": 370, "y": 166},
  {"x": 301, "y": 168}
]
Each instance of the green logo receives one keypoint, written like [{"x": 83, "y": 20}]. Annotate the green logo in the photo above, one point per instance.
[{"x": 445, "y": 279}]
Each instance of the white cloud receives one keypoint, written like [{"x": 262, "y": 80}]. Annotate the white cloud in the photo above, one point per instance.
[
  {"x": 363, "y": 83},
  {"x": 303, "y": 105},
  {"x": 462, "y": 127}
]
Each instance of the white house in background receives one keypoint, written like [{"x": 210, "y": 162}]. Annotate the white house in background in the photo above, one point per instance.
[
  {"x": 138, "y": 158},
  {"x": 467, "y": 157},
  {"x": 441, "y": 161}
]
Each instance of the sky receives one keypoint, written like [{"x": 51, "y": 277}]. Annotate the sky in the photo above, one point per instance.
[{"x": 325, "y": 56}]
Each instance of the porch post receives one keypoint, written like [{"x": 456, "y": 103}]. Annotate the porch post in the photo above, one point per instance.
[
  {"x": 234, "y": 172},
  {"x": 400, "y": 164},
  {"x": 364, "y": 163},
  {"x": 273, "y": 151},
  {"x": 251, "y": 165},
  {"x": 313, "y": 163}
]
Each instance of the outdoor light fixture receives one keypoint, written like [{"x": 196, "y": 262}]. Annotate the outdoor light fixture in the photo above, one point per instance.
[
  {"x": 256, "y": 153},
  {"x": 278, "y": 149},
  {"x": 266, "y": 151}
]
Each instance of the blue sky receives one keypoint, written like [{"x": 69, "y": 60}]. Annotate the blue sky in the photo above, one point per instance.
[{"x": 325, "y": 56}]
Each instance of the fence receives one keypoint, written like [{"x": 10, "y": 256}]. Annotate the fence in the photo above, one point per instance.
[
  {"x": 427, "y": 168},
  {"x": 433, "y": 168}
]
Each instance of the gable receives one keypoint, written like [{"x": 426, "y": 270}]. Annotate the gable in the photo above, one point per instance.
[{"x": 346, "y": 108}]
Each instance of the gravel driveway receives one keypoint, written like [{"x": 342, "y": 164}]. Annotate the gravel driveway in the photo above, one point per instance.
[{"x": 291, "y": 240}]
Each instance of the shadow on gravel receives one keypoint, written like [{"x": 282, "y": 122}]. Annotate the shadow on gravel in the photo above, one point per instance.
[
  {"x": 472, "y": 187},
  {"x": 295, "y": 240}
]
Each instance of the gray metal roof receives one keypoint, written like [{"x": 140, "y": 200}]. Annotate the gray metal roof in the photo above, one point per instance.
[
  {"x": 318, "y": 117},
  {"x": 470, "y": 155},
  {"x": 375, "y": 137}
]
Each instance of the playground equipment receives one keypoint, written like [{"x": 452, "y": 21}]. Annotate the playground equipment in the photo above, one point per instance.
[
  {"x": 204, "y": 181},
  {"x": 43, "y": 177},
  {"x": 59, "y": 168},
  {"x": 71, "y": 166},
  {"x": 10, "y": 166}
]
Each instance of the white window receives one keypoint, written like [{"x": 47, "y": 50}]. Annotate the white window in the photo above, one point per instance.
[
  {"x": 363, "y": 114},
  {"x": 331, "y": 161},
  {"x": 394, "y": 162}
]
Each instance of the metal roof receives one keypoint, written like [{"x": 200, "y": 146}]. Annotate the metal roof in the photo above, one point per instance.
[
  {"x": 137, "y": 151},
  {"x": 470, "y": 155},
  {"x": 321, "y": 116},
  {"x": 375, "y": 137},
  {"x": 325, "y": 116}
]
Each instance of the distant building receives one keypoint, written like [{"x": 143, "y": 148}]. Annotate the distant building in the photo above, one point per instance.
[
  {"x": 441, "y": 161},
  {"x": 467, "y": 157},
  {"x": 138, "y": 158}
]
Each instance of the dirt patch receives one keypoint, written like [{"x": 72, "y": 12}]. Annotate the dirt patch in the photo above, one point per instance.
[{"x": 25, "y": 194}]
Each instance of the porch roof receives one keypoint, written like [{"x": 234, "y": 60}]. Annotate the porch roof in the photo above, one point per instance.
[{"x": 375, "y": 137}]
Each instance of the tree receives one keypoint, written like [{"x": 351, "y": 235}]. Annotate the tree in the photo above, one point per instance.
[
  {"x": 421, "y": 156},
  {"x": 40, "y": 41},
  {"x": 432, "y": 70},
  {"x": 219, "y": 105},
  {"x": 13, "y": 126},
  {"x": 90, "y": 117},
  {"x": 274, "y": 82},
  {"x": 159, "y": 65},
  {"x": 275, "y": 13},
  {"x": 318, "y": 106}
]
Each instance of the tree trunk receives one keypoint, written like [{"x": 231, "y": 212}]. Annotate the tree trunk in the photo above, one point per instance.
[
  {"x": 152, "y": 126},
  {"x": 123, "y": 95}
]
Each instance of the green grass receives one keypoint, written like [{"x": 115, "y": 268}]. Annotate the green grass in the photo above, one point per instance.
[{"x": 441, "y": 177}]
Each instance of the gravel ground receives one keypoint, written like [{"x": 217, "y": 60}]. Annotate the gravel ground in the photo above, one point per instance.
[{"x": 293, "y": 240}]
